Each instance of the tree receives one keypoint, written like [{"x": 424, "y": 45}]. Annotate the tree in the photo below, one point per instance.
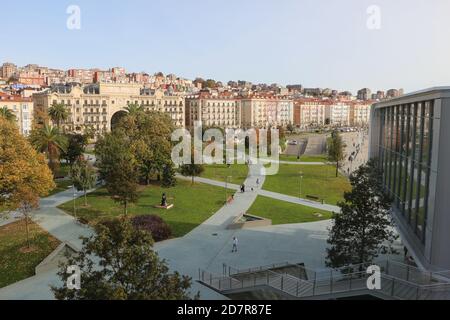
[
  {"x": 83, "y": 177},
  {"x": 134, "y": 109},
  {"x": 119, "y": 263},
  {"x": 168, "y": 176},
  {"x": 290, "y": 128},
  {"x": 150, "y": 141},
  {"x": 191, "y": 170},
  {"x": 50, "y": 141},
  {"x": 118, "y": 167},
  {"x": 364, "y": 227},
  {"x": 336, "y": 150},
  {"x": 58, "y": 114},
  {"x": 76, "y": 145},
  {"x": 24, "y": 174},
  {"x": 7, "y": 114}
]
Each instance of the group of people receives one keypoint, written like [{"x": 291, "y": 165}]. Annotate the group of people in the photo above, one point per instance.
[{"x": 243, "y": 186}]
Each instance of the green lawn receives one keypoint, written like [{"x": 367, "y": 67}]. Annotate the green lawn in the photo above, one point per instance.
[
  {"x": 193, "y": 205},
  {"x": 61, "y": 185},
  {"x": 219, "y": 172},
  {"x": 281, "y": 212},
  {"x": 304, "y": 158},
  {"x": 318, "y": 180},
  {"x": 16, "y": 263},
  {"x": 64, "y": 170}
]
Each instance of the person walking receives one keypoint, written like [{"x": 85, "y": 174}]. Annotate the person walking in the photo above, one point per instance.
[
  {"x": 235, "y": 244},
  {"x": 257, "y": 182}
]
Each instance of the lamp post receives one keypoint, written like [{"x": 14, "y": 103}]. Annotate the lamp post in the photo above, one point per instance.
[
  {"x": 74, "y": 202},
  {"x": 226, "y": 183},
  {"x": 301, "y": 180}
]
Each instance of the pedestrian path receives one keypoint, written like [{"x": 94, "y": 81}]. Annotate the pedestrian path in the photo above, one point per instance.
[
  {"x": 269, "y": 194},
  {"x": 294, "y": 162}
]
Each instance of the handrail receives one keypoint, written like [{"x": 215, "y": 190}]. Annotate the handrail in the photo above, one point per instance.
[{"x": 333, "y": 280}]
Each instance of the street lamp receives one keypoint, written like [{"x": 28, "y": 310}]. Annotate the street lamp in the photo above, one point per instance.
[
  {"x": 301, "y": 180},
  {"x": 74, "y": 202}
]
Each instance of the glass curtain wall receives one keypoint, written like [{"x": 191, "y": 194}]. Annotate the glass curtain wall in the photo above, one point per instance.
[{"x": 405, "y": 158}]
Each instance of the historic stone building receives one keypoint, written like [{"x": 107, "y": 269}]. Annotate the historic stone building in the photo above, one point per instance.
[{"x": 99, "y": 105}]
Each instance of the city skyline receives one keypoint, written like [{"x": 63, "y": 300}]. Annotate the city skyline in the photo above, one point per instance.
[{"x": 198, "y": 39}]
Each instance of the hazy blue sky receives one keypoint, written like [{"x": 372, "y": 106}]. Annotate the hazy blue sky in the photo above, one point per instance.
[{"x": 322, "y": 43}]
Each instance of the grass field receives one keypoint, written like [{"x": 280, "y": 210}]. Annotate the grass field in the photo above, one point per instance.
[
  {"x": 16, "y": 263},
  {"x": 319, "y": 181},
  {"x": 61, "y": 185},
  {"x": 304, "y": 158},
  {"x": 219, "y": 172},
  {"x": 193, "y": 205},
  {"x": 281, "y": 212}
]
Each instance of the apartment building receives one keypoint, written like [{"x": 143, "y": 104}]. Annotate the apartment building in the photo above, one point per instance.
[
  {"x": 220, "y": 110},
  {"x": 22, "y": 109},
  {"x": 260, "y": 111},
  {"x": 99, "y": 105},
  {"x": 337, "y": 113},
  {"x": 309, "y": 112},
  {"x": 360, "y": 113},
  {"x": 7, "y": 70}
]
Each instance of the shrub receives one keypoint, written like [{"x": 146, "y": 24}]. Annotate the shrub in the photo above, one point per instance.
[{"x": 153, "y": 224}]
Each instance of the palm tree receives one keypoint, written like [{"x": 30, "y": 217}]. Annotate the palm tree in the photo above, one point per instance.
[
  {"x": 58, "y": 113},
  {"x": 134, "y": 109},
  {"x": 49, "y": 140},
  {"x": 7, "y": 114}
]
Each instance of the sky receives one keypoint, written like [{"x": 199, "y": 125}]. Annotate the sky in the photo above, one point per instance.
[{"x": 317, "y": 43}]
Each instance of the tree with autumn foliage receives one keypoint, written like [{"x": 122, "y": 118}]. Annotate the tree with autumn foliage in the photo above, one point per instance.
[{"x": 24, "y": 173}]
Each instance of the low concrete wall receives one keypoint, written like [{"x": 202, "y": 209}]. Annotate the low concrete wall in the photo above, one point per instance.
[
  {"x": 55, "y": 258},
  {"x": 260, "y": 222}
]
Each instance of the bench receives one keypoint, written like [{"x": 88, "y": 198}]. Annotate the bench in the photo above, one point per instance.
[
  {"x": 314, "y": 198},
  {"x": 168, "y": 207}
]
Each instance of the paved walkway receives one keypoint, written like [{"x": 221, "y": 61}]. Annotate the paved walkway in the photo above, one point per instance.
[
  {"x": 269, "y": 194},
  {"x": 294, "y": 162},
  {"x": 208, "y": 246}
]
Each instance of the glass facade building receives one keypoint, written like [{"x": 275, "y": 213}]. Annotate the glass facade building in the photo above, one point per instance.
[
  {"x": 410, "y": 140},
  {"x": 404, "y": 154}
]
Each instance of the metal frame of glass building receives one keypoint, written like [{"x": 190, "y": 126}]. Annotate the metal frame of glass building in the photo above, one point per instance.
[{"x": 410, "y": 139}]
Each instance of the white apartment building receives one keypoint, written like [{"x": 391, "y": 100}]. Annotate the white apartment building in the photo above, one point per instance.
[
  {"x": 22, "y": 109},
  {"x": 337, "y": 113},
  {"x": 266, "y": 111},
  {"x": 222, "y": 110},
  {"x": 309, "y": 112},
  {"x": 360, "y": 114}
]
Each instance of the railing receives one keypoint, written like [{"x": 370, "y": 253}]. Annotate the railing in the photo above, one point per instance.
[{"x": 398, "y": 281}]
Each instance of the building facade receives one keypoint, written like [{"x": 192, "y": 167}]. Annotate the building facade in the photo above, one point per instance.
[
  {"x": 360, "y": 113},
  {"x": 309, "y": 112},
  {"x": 22, "y": 108},
  {"x": 8, "y": 70},
  {"x": 266, "y": 111},
  {"x": 409, "y": 138},
  {"x": 337, "y": 113},
  {"x": 98, "y": 105},
  {"x": 222, "y": 110}
]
